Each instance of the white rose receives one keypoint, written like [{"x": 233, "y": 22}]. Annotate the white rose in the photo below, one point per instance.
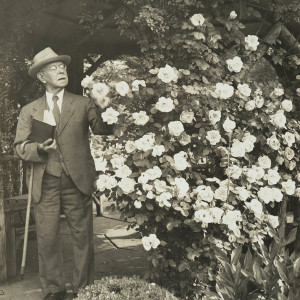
[
  {"x": 197, "y": 19},
  {"x": 259, "y": 101},
  {"x": 146, "y": 142},
  {"x": 256, "y": 207},
  {"x": 150, "y": 242},
  {"x": 127, "y": 185},
  {"x": 167, "y": 74},
  {"x": 231, "y": 217},
  {"x": 251, "y": 175},
  {"x": 234, "y": 172},
  {"x": 130, "y": 146},
  {"x": 273, "y": 220},
  {"x": 163, "y": 198},
  {"x": 110, "y": 116},
  {"x": 251, "y": 42},
  {"x": 105, "y": 182},
  {"x": 229, "y": 125},
  {"x": 292, "y": 165},
  {"x": 250, "y": 105},
  {"x": 260, "y": 172},
  {"x": 289, "y": 187},
  {"x": 143, "y": 178},
  {"x": 272, "y": 176},
  {"x": 136, "y": 84},
  {"x": 154, "y": 173},
  {"x": 180, "y": 161},
  {"x": 187, "y": 116},
  {"x": 278, "y": 119},
  {"x": 175, "y": 128},
  {"x": 287, "y": 105},
  {"x": 165, "y": 104},
  {"x": 100, "y": 164},
  {"x": 213, "y": 136},
  {"x": 99, "y": 93},
  {"x": 214, "y": 116},
  {"x": 122, "y": 88},
  {"x": 278, "y": 92},
  {"x": 158, "y": 150},
  {"x": 277, "y": 194},
  {"x": 235, "y": 64},
  {"x": 243, "y": 90},
  {"x": 224, "y": 90},
  {"x": 273, "y": 142},
  {"x": 204, "y": 193},
  {"x": 123, "y": 172},
  {"x": 264, "y": 162},
  {"x": 289, "y": 153},
  {"x": 140, "y": 118},
  {"x": 203, "y": 216},
  {"x": 137, "y": 204},
  {"x": 238, "y": 149},
  {"x": 289, "y": 138},
  {"x": 86, "y": 81},
  {"x": 221, "y": 193},
  {"x": 185, "y": 139},
  {"x": 280, "y": 160},
  {"x": 232, "y": 15},
  {"x": 117, "y": 161},
  {"x": 266, "y": 194},
  {"x": 182, "y": 186},
  {"x": 160, "y": 186},
  {"x": 216, "y": 213},
  {"x": 243, "y": 193}
]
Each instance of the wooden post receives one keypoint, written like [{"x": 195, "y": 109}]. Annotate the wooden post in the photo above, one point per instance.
[
  {"x": 11, "y": 264},
  {"x": 3, "y": 268}
]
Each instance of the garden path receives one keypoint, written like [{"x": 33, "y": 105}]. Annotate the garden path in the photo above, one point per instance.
[{"x": 117, "y": 252}]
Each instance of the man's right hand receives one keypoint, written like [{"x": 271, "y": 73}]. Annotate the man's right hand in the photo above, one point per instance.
[{"x": 48, "y": 146}]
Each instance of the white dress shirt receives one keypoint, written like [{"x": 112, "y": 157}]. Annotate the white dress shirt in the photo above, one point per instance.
[{"x": 50, "y": 103}]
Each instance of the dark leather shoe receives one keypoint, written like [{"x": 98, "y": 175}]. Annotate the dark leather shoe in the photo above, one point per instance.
[{"x": 56, "y": 296}]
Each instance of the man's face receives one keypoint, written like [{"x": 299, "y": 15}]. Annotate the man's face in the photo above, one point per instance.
[{"x": 54, "y": 75}]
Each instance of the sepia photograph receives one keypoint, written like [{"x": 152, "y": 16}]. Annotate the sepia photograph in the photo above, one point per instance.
[{"x": 149, "y": 149}]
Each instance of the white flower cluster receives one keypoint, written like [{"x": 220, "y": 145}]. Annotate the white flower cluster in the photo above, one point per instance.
[{"x": 150, "y": 241}]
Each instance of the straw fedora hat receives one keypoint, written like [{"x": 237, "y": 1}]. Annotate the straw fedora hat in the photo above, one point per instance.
[{"x": 45, "y": 57}]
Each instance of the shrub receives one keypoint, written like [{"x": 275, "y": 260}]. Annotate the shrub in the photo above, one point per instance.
[{"x": 113, "y": 288}]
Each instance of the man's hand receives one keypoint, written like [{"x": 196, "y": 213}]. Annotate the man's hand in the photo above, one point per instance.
[{"x": 47, "y": 146}]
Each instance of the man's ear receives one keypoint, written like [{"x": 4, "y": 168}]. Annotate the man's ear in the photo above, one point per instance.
[{"x": 41, "y": 77}]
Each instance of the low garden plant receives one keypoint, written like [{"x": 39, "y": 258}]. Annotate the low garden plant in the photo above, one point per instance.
[{"x": 125, "y": 288}]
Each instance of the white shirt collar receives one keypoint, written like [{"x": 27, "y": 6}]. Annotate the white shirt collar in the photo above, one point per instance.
[{"x": 60, "y": 96}]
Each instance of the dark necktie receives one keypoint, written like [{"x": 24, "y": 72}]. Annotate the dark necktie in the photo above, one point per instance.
[{"x": 56, "y": 111}]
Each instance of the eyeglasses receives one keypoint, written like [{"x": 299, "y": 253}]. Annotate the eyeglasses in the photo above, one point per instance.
[{"x": 60, "y": 66}]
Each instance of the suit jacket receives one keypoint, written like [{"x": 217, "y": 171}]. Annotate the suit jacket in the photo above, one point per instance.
[{"x": 77, "y": 114}]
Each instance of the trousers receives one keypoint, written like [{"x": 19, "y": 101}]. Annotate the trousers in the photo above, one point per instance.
[{"x": 59, "y": 194}]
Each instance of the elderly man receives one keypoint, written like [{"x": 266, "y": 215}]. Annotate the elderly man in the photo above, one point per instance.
[{"x": 63, "y": 172}]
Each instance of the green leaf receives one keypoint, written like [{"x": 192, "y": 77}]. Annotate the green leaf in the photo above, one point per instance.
[
  {"x": 149, "y": 206},
  {"x": 257, "y": 272},
  {"x": 236, "y": 255},
  {"x": 291, "y": 237},
  {"x": 183, "y": 266},
  {"x": 282, "y": 270},
  {"x": 282, "y": 297}
]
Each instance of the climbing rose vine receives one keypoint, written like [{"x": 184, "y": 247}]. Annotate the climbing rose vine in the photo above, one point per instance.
[{"x": 202, "y": 155}]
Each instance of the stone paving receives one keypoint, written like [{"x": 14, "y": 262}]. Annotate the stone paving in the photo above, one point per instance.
[{"x": 118, "y": 251}]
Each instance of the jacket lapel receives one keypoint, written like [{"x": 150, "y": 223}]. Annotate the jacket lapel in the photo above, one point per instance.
[
  {"x": 38, "y": 109},
  {"x": 67, "y": 111}
]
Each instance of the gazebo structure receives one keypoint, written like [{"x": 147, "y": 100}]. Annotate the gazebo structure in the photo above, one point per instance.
[{"x": 58, "y": 25}]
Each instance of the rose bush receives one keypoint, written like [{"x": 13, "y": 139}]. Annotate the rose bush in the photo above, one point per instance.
[{"x": 204, "y": 155}]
